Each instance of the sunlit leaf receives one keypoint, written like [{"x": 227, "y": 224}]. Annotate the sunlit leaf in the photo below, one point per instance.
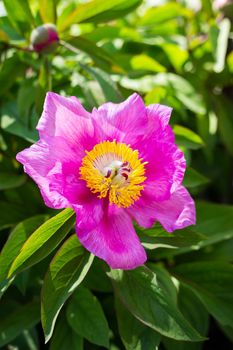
[
  {"x": 222, "y": 44},
  {"x": 14, "y": 244},
  {"x": 144, "y": 62},
  {"x": 99, "y": 55},
  {"x": 158, "y": 14},
  {"x": 66, "y": 271},
  {"x": 108, "y": 86},
  {"x": 20, "y": 15},
  {"x": 187, "y": 138},
  {"x": 43, "y": 241},
  {"x": 139, "y": 291},
  {"x": 87, "y": 11},
  {"x": 179, "y": 239},
  {"x": 48, "y": 10}
]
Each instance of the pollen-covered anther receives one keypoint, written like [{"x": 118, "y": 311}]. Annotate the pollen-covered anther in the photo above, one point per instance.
[{"x": 113, "y": 169}]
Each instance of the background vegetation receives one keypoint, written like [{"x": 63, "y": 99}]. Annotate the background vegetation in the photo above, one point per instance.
[{"x": 172, "y": 54}]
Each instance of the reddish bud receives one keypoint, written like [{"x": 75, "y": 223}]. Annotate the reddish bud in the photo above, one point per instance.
[{"x": 44, "y": 39}]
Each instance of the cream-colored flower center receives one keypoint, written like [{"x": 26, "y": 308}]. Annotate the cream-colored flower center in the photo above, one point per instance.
[{"x": 113, "y": 169}]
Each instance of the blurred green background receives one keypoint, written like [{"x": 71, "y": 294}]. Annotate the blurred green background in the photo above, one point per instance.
[{"x": 177, "y": 53}]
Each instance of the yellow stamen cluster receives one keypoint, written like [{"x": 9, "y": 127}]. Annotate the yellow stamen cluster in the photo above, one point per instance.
[{"x": 122, "y": 191}]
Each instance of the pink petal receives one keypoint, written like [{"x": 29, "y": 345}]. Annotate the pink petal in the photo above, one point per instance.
[
  {"x": 166, "y": 163},
  {"x": 159, "y": 116},
  {"x": 38, "y": 163},
  {"x": 175, "y": 213},
  {"x": 89, "y": 213},
  {"x": 67, "y": 182},
  {"x": 124, "y": 121},
  {"x": 160, "y": 112},
  {"x": 114, "y": 240},
  {"x": 44, "y": 162},
  {"x": 159, "y": 130},
  {"x": 65, "y": 117},
  {"x": 165, "y": 168}
]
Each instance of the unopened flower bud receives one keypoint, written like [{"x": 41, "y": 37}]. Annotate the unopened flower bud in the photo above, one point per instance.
[{"x": 44, "y": 39}]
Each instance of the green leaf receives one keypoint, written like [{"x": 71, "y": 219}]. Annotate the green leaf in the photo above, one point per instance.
[
  {"x": 23, "y": 317},
  {"x": 164, "y": 281},
  {"x": 43, "y": 241},
  {"x": 66, "y": 271},
  {"x": 10, "y": 31},
  {"x": 193, "y": 178},
  {"x": 27, "y": 340},
  {"x": 176, "y": 55},
  {"x": 96, "y": 274},
  {"x": 221, "y": 251},
  {"x": 158, "y": 238},
  {"x": 4, "y": 37},
  {"x": 195, "y": 313},
  {"x": 228, "y": 332},
  {"x": 156, "y": 95},
  {"x": 108, "y": 86},
  {"x": 22, "y": 281},
  {"x": 139, "y": 291},
  {"x": 64, "y": 337},
  {"x": 86, "y": 317},
  {"x": 10, "y": 70},
  {"x": 26, "y": 100},
  {"x": 187, "y": 138},
  {"x": 183, "y": 90},
  {"x": 224, "y": 27},
  {"x": 164, "y": 29},
  {"x": 44, "y": 83},
  {"x": 223, "y": 107},
  {"x": 9, "y": 180},
  {"x": 145, "y": 62},
  {"x": 134, "y": 334},
  {"x": 15, "y": 127},
  {"x": 214, "y": 225},
  {"x": 100, "y": 56},
  {"x": 193, "y": 309},
  {"x": 117, "y": 12},
  {"x": 19, "y": 14},
  {"x": 85, "y": 12},
  {"x": 215, "y": 221},
  {"x": 48, "y": 11},
  {"x": 14, "y": 244},
  {"x": 11, "y": 214},
  {"x": 159, "y": 14},
  {"x": 178, "y": 87},
  {"x": 212, "y": 282}
]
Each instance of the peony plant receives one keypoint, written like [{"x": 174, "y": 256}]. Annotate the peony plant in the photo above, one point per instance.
[{"x": 114, "y": 165}]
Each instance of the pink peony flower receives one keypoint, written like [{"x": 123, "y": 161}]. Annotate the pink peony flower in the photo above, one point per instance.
[{"x": 112, "y": 166}]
